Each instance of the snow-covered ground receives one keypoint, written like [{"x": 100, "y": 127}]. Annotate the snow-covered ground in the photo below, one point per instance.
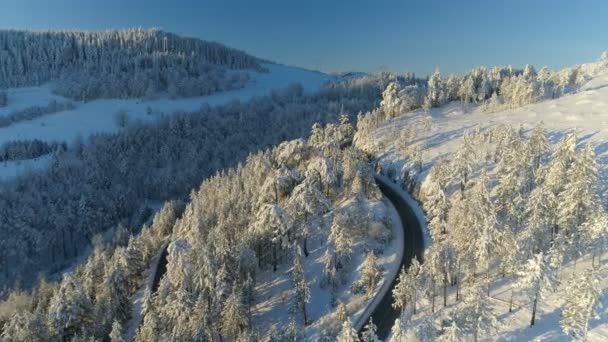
[
  {"x": 12, "y": 169},
  {"x": 274, "y": 291},
  {"x": 586, "y": 113},
  {"x": 98, "y": 116}
]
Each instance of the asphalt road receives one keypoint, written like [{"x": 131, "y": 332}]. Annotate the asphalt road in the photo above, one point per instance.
[{"x": 384, "y": 315}]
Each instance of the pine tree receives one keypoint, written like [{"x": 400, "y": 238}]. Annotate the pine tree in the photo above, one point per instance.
[
  {"x": 426, "y": 331},
  {"x": 341, "y": 240},
  {"x": 116, "y": 333},
  {"x": 234, "y": 318},
  {"x": 342, "y": 313},
  {"x": 398, "y": 332},
  {"x": 476, "y": 316},
  {"x": 535, "y": 279},
  {"x": 348, "y": 333},
  {"x": 371, "y": 273},
  {"x": 302, "y": 291},
  {"x": 463, "y": 162},
  {"x": 69, "y": 310},
  {"x": 436, "y": 91},
  {"x": 539, "y": 219},
  {"x": 149, "y": 330},
  {"x": 308, "y": 201},
  {"x": 271, "y": 223},
  {"x": 451, "y": 333},
  {"x": 25, "y": 326},
  {"x": 369, "y": 332},
  {"x": 583, "y": 294}
]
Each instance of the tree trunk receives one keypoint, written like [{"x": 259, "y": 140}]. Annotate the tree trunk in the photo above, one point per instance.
[
  {"x": 511, "y": 301},
  {"x": 445, "y": 289},
  {"x": 534, "y": 310},
  {"x": 304, "y": 312},
  {"x": 306, "y": 246},
  {"x": 433, "y": 300},
  {"x": 274, "y": 257}
]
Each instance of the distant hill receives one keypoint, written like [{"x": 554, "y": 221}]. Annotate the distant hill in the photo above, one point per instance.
[{"x": 120, "y": 63}]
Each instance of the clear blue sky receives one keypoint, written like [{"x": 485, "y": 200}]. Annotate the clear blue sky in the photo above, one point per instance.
[{"x": 355, "y": 35}]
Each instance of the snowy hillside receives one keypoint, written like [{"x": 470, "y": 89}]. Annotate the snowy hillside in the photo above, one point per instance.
[
  {"x": 101, "y": 115},
  {"x": 439, "y": 130},
  {"x": 428, "y": 145}
]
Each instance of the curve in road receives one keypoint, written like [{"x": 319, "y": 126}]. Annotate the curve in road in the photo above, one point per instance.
[{"x": 384, "y": 314}]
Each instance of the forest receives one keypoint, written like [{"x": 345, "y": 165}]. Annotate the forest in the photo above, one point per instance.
[{"x": 120, "y": 64}]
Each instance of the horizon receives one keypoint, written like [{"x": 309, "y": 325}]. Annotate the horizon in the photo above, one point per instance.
[{"x": 393, "y": 36}]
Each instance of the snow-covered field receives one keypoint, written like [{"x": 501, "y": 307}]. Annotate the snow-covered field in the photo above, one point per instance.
[
  {"x": 274, "y": 290},
  {"x": 99, "y": 116},
  {"x": 584, "y": 112}
]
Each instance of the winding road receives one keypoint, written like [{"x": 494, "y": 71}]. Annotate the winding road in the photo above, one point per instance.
[{"x": 384, "y": 314}]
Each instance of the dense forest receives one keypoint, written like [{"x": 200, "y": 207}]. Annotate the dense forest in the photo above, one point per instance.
[
  {"x": 120, "y": 64},
  {"x": 99, "y": 183},
  {"x": 240, "y": 222}
]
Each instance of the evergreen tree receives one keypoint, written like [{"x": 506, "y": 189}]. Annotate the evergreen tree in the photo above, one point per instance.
[
  {"x": 451, "y": 333},
  {"x": 369, "y": 332},
  {"x": 70, "y": 309},
  {"x": 116, "y": 333},
  {"x": 234, "y": 319},
  {"x": 536, "y": 278},
  {"x": 25, "y": 326},
  {"x": 583, "y": 294},
  {"x": 398, "y": 332},
  {"x": 371, "y": 273},
  {"x": 302, "y": 291},
  {"x": 348, "y": 333},
  {"x": 342, "y": 313}
]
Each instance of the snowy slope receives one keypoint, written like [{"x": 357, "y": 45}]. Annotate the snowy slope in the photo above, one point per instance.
[
  {"x": 586, "y": 113},
  {"x": 98, "y": 116},
  {"x": 274, "y": 290}
]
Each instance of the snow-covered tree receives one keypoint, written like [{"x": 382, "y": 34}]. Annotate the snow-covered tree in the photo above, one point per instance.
[
  {"x": 582, "y": 301},
  {"x": 463, "y": 162},
  {"x": 536, "y": 278},
  {"x": 302, "y": 291},
  {"x": 436, "y": 91},
  {"x": 341, "y": 312},
  {"x": 441, "y": 260},
  {"x": 475, "y": 317},
  {"x": 404, "y": 292},
  {"x": 371, "y": 273},
  {"x": 398, "y": 332},
  {"x": 451, "y": 333},
  {"x": 604, "y": 59},
  {"x": 341, "y": 240},
  {"x": 25, "y": 326},
  {"x": 116, "y": 333},
  {"x": 69, "y": 310},
  {"x": 306, "y": 201},
  {"x": 369, "y": 332},
  {"x": 234, "y": 318},
  {"x": 348, "y": 333},
  {"x": 271, "y": 223}
]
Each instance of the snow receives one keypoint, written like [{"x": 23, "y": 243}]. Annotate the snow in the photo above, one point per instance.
[
  {"x": 274, "y": 290},
  {"x": 11, "y": 169},
  {"x": 98, "y": 116},
  {"x": 586, "y": 113}
]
